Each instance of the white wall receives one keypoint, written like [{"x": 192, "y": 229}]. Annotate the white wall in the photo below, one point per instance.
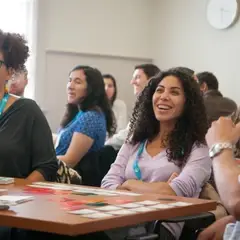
[
  {"x": 104, "y": 27},
  {"x": 184, "y": 37}
]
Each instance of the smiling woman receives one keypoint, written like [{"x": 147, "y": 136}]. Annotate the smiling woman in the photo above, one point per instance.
[
  {"x": 166, "y": 136},
  {"x": 88, "y": 116}
]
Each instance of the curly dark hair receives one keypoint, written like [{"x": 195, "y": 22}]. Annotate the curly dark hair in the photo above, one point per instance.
[
  {"x": 190, "y": 128},
  {"x": 15, "y": 51},
  {"x": 96, "y": 99}
]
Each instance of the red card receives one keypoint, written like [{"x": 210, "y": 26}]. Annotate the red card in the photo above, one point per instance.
[
  {"x": 118, "y": 201},
  {"x": 39, "y": 190}
]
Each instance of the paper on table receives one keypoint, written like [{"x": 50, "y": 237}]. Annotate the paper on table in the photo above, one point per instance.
[
  {"x": 122, "y": 212},
  {"x": 109, "y": 208},
  {"x": 147, "y": 202},
  {"x": 180, "y": 204},
  {"x": 161, "y": 206},
  {"x": 6, "y": 180},
  {"x": 13, "y": 200},
  {"x": 83, "y": 211},
  {"x": 53, "y": 187},
  {"x": 129, "y": 205},
  {"x": 142, "y": 209},
  {"x": 98, "y": 215}
]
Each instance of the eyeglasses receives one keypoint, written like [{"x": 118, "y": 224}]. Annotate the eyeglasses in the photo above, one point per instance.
[{"x": 1, "y": 63}]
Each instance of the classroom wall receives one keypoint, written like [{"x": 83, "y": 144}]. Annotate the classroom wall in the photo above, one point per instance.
[
  {"x": 184, "y": 37},
  {"x": 106, "y": 27}
]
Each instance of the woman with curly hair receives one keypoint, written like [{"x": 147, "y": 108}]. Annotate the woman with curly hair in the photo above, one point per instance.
[
  {"x": 26, "y": 148},
  {"x": 167, "y": 136}
]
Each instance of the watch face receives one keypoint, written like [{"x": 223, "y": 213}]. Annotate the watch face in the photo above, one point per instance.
[{"x": 214, "y": 150}]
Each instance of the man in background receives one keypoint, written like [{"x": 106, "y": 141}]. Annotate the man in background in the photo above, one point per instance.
[
  {"x": 216, "y": 104},
  {"x": 221, "y": 138},
  {"x": 141, "y": 75},
  {"x": 19, "y": 82}
]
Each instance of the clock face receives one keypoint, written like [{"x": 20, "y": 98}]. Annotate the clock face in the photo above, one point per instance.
[{"x": 222, "y": 13}]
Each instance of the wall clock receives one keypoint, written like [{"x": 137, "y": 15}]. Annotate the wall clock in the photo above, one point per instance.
[{"x": 221, "y": 14}]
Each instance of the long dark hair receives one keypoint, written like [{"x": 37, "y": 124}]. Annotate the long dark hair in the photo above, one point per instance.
[
  {"x": 112, "y": 100},
  {"x": 96, "y": 99},
  {"x": 191, "y": 127}
]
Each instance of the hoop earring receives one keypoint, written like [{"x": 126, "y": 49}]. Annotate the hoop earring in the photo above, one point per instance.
[{"x": 6, "y": 87}]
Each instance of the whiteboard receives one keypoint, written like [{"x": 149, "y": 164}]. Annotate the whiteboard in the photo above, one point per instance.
[{"x": 58, "y": 66}]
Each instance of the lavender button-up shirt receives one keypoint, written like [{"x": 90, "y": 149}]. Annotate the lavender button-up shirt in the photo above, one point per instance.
[{"x": 189, "y": 183}]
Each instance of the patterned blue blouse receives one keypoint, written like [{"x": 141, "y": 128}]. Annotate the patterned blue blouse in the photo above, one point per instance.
[{"x": 89, "y": 123}]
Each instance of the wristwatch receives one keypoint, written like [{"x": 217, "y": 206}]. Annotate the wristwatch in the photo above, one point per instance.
[{"x": 217, "y": 148}]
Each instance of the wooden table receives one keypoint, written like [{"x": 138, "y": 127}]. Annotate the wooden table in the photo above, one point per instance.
[{"x": 46, "y": 214}]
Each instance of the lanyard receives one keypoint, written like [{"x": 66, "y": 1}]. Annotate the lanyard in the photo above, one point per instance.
[
  {"x": 136, "y": 167},
  {"x": 3, "y": 102}
]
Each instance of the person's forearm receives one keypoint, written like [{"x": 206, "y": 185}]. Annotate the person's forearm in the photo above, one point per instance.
[
  {"x": 35, "y": 176},
  {"x": 54, "y": 137},
  {"x": 67, "y": 160},
  {"x": 226, "y": 172},
  {"x": 156, "y": 188}
]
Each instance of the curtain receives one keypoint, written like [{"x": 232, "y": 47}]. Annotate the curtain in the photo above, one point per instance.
[{"x": 20, "y": 16}]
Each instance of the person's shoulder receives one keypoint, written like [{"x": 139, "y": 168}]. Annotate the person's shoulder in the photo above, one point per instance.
[
  {"x": 130, "y": 148},
  {"x": 119, "y": 104},
  {"x": 200, "y": 147},
  {"x": 25, "y": 103},
  {"x": 29, "y": 106},
  {"x": 92, "y": 116},
  {"x": 229, "y": 101},
  {"x": 92, "y": 113}
]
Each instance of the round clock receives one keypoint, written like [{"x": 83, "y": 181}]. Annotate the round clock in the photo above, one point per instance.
[{"x": 222, "y": 14}]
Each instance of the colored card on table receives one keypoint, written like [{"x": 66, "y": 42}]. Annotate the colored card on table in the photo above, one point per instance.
[
  {"x": 97, "y": 204},
  {"x": 119, "y": 201}
]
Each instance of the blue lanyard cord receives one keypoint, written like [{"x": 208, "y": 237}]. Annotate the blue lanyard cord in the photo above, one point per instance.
[
  {"x": 3, "y": 102},
  {"x": 74, "y": 119},
  {"x": 136, "y": 167}
]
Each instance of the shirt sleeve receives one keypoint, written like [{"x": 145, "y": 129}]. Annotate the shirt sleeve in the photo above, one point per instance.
[
  {"x": 42, "y": 149},
  {"x": 120, "y": 112},
  {"x": 118, "y": 139},
  {"x": 88, "y": 123},
  {"x": 195, "y": 173},
  {"x": 116, "y": 175}
]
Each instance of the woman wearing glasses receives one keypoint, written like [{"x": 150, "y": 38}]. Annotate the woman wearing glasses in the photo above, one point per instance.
[
  {"x": 166, "y": 136},
  {"x": 26, "y": 148}
]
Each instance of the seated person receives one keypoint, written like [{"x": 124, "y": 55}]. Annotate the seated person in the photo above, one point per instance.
[
  {"x": 166, "y": 136},
  {"x": 26, "y": 148},
  {"x": 226, "y": 173},
  {"x": 118, "y": 106},
  {"x": 19, "y": 82},
  {"x": 141, "y": 75},
  {"x": 216, "y": 104},
  {"x": 87, "y": 118}
]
